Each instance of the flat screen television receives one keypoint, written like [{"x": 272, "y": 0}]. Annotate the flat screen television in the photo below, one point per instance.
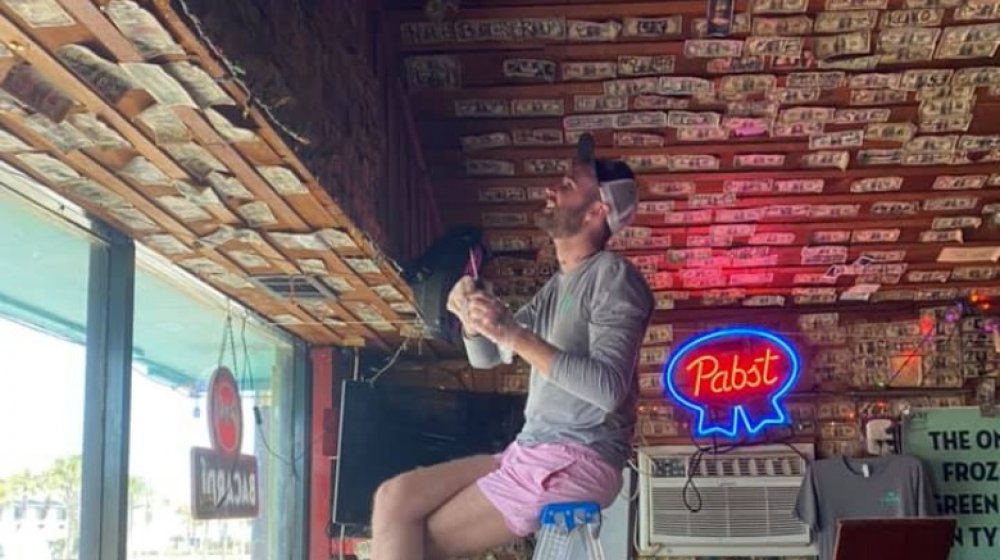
[{"x": 388, "y": 429}]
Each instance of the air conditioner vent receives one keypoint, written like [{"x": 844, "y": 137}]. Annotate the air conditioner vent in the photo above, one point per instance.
[{"x": 293, "y": 287}]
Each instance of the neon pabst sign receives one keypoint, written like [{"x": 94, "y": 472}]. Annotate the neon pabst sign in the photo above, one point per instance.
[{"x": 734, "y": 380}]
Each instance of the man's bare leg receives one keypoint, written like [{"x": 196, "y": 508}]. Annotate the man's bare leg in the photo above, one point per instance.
[
  {"x": 465, "y": 525},
  {"x": 403, "y": 503}
]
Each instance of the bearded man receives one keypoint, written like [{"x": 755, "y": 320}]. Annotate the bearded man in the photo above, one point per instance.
[{"x": 581, "y": 334}]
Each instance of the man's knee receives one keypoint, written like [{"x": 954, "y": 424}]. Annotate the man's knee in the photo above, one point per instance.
[{"x": 394, "y": 498}]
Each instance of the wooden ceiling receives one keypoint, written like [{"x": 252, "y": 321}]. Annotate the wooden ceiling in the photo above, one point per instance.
[
  {"x": 123, "y": 109},
  {"x": 822, "y": 152}
]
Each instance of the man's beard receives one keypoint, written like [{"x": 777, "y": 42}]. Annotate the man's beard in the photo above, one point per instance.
[{"x": 562, "y": 222}]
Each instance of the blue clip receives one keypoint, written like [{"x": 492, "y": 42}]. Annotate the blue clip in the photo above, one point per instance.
[{"x": 569, "y": 515}]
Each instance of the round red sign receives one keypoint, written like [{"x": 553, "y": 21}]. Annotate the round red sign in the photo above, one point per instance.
[{"x": 225, "y": 412}]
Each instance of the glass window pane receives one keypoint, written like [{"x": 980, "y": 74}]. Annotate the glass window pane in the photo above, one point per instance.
[
  {"x": 43, "y": 315},
  {"x": 178, "y": 342}
]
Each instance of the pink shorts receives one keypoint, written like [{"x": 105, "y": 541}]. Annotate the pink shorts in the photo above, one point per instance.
[{"x": 529, "y": 478}]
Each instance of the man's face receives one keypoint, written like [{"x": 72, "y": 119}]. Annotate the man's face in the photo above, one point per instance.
[{"x": 571, "y": 204}]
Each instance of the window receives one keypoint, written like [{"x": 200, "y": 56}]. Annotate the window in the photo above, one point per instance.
[
  {"x": 180, "y": 335},
  {"x": 44, "y": 264}
]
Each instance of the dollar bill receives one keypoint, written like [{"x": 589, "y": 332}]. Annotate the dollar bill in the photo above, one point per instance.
[
  {"x": 574, "y": 123},
  {"x": 904, "y": 55},
  {"x": 689, "y": 217},
  {"x": 772, "y": 238},
  {"x": 632, "y": 65},
  {"x": 876, "y": 184},
  {"x": 547, "y": 166},
  {"x": 739, "y": 215},
  {"x": 740, "y": 25},
  {"x": 657, "y": 207},
  {"x": 959, "y": 182},
  {"x": 779, "y": 6},
  {"x": 638, "y": 140},
  {"x": 651, "y": 27},
  {"x": 482, "y": 108},
  {"x": 875, "y": 235},
  {"x": 829, "y": 46},
  {"x": 895, "y": 208},
  {"x": 589, "y": 71},
  {"x": 875, "y": 81},
  {"x": 895, "y": 39},
  {"x": 530, "y": 68},
  {"x": 580, "y": 30},
  {"x": 774, "y": 46},
  {"x": 671, "y": 188},
  {"x": 600, "y": 103},
  {"x": 806, "y": 114},
  {"x": 993, "y": 181},
  {"x": 853, "y": 63},
  {"x": 543, "y": 28},
  {"x": 746, "y": 83},
  {"x": 761, "y": 108},
  {"x": 758, "y": 160},
  {"x": 687, "y": 119},
  {"x": 748, "y": 186},
  {"x": 826, "y": 159},
  {"x": 802, "y": 61},
  {"x": 502, "y": 194},
  {"x": 486, "y": 167},
  {"x": 835, "y": 5},
  {"x": 878, "y": 97},
  {"x": 966, "y": 50},
  {"x": 537, "y": 107},
  {"x": 796, "y": 130},
  {"x": 830, "y": 237},
  {"x": 505, "y": 219},
  {"x": 794, "y": 96},
  {"x": 981, "y": 33},
  {"x": 957, "y": 222},
  {"x": 794, "y": 25},
  {"x": 942, "y": 236},
  {"x": 537, "y": 137},
  {"x": 693, "y": 162},
  {"x": 426, "y": 33},
  {"x": 702, "y": 134},
  {"x": 978, "y": 143},
  {"x": 917, "y": 79},
  {"x": 743, "y": 65},
  {"x": 648, "y": 162},
  {"x": 659, "y": 102},
  {"x": 852, "y": 116},
  {"x": 765, "y": 300},
  {"x": 946, "y": 123},
  {"x": 932, "y": 144},
  {"x": 821, "y": 80},
  {"x": 640, "y": 119},
  {"x": 834, "y": 211},
  {"x": 890, "y": 132},
  {"x": 932, "y": 3},
  {"x": 751, "y": 278},
  {"x": 670, "y": 85},
  {"x": 711, "y": 200},
  {"x": 950, "y": 204},
  {"x": 473, "y": 30},
  {"x": 787, "y": 211},
  {"x": 846, "y": 21},
  {"x": 880, "y": 157},
  {"x": 740, "y": 127},
  {"x": 928, "y": 158},
  {"x": 799, "y": 186},
  {"x": 940, "y": 92},
  {"x": 712, "y": 48},
  {"x": 981, "y": 76},
  {"x": 824, "y": 255},
  {"x": 811, "y": 278},
  {"x": 922, "y": 17},
  {"x": 631, "y": 86},
  {"x": 977, "y": 10},
  {"x": 485, "y": 141},
  {"x": 839, "y": 139}
]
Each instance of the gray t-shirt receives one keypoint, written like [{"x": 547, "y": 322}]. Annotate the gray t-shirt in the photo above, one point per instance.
[
  {"x": 837, "y": 488},
  {"x": 596, "y": 316}
]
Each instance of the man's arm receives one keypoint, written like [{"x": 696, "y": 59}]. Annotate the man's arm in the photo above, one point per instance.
[
  {"x": 618, "y": 321},
  {"x": 483, "y": 353}
]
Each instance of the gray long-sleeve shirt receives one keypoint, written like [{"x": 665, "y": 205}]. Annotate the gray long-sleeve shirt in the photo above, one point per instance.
[{"x": 596, "y": 316}]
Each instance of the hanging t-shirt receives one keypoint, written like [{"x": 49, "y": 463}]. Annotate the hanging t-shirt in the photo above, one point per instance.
[{"x": 842, "y": 488}]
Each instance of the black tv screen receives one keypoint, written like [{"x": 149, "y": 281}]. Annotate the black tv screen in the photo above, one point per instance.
[{"x": 389, "y": 429}]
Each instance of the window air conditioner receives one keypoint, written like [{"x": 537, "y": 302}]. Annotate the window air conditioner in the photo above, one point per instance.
[{"x": 747, "y": 497}]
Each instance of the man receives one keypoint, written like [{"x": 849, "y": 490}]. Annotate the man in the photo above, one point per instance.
[{"x": 581, "y": 334}]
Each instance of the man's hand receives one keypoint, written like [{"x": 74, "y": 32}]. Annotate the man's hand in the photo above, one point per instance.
[
  {"x": 458, "y": 303},
  {"x": 491, "y": 318}
]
